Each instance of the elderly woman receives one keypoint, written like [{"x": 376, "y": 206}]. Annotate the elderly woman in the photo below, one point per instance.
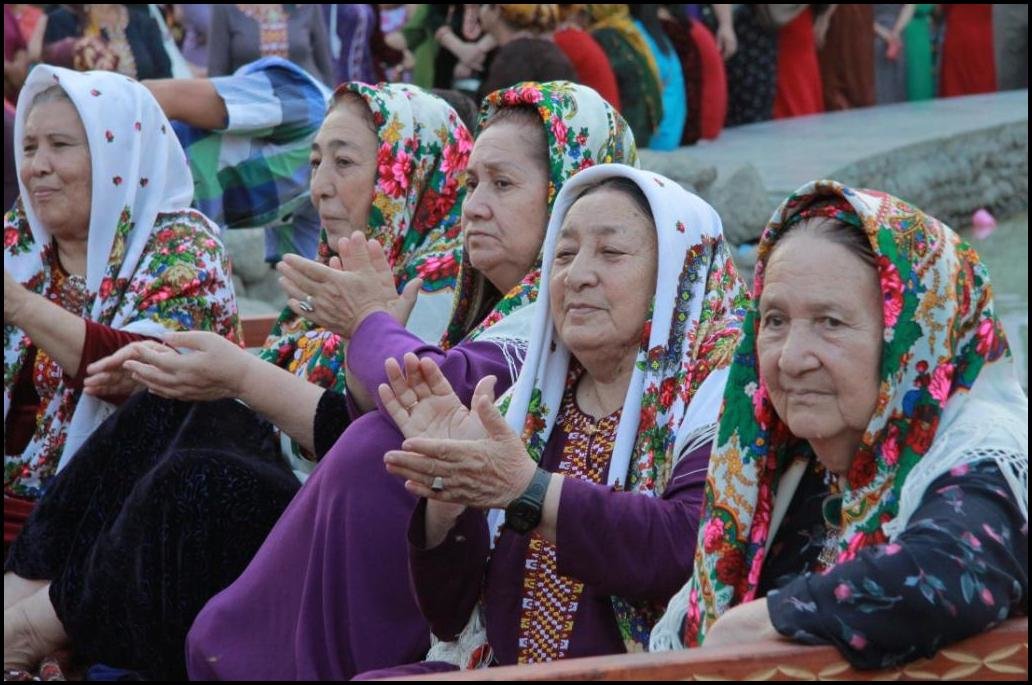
[
  {"x": 198, "y": 485},
  {"x": 345, "y": 532},
  {"x": 102, "y": 251},
  {"x": 870, "y": 484},
  {"x": 597, "y": 462}
]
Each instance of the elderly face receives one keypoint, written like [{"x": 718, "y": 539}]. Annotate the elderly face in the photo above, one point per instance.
[
  {"x": 56, "y": 169},
  {"x": 603, "y": 276},
  {"x": 820, "y": 343},
  {"x": 505, "y": 213},
  {"x": 343, "y": 163}
]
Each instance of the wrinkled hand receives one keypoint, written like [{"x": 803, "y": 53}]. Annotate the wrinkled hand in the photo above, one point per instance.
[
  {"x": 422, "y": 403},
  {"x": 745, "y": 623},
  {"x": 727, "y": 41},
  {"x": 485, "y": 473},
  {"x": 212, "y": 368},
  {"x": 108, "y": 377},
  {"x": 354, "y": 285}
]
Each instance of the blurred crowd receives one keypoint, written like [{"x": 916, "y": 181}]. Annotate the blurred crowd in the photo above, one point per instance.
[{"x": 677, "y": 73}]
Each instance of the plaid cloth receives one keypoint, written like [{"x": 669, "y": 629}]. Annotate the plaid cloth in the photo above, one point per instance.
[{"x": 254, "y": 173}]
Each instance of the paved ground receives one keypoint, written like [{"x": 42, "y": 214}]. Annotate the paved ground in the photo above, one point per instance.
[{"x": 790, "y": 152}]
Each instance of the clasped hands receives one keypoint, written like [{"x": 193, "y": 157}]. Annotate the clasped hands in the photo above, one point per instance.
[{"x": 481, "y": 461}]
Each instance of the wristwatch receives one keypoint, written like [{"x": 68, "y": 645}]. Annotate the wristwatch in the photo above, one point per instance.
[{"x": 524, "y": 513}]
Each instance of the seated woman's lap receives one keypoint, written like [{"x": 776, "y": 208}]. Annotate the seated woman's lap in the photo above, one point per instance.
[{"x": 350, "y": 509}]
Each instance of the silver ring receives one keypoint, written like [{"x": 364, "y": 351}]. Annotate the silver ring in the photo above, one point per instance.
[
  {"x": 438, "y": 484},
  {"x": 306, "y": 304}
]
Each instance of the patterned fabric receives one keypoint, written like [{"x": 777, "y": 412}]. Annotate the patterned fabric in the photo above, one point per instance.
[
  {"x": 550, "y": 600},
  {"x": 153, "y": 265},
  {"x": 272, "y": 28},
  {"x": 581, "y": 130},
  {"x": 618, "y": 18},
  {"x": 688, "y": 340},
  {"x": 114, "y": 39},
  {"x": 255, "y": 172},
  {"x": 941, "y": 336},
  {"x": 960, "y": 569},
  {"x": 540, "y": 18},
  {"x": 423, "y": 150}
]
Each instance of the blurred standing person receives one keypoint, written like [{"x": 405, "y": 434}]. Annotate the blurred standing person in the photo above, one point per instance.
[
  {"x": 16, "y": 57},
  {"x": 1010, "y": 45},
  {"x": 890, "y": 55},
  {"x": 799, "y": 89},
  {"x": 705, "y": 81},
  {"x": 241, "y": 34},
  {"x": 588, "y": 59},
  {"x": 456, "y": 29},
  {"x": 845, "y": 41},
  {"x": 357, "y": 48},
  {"x": 671, "y": 77},
  {"x": 33, "y": 23},
  {"x": 637, "y": 75},
  {"x": 122, "y": 38},
  {"x": 968, "y": 63},
  {"x": 415, "y": 38},
  {"x": 750, "y": 51},
  {"x": 523, "y": 53},
  {"x": 917, "y": 44},
  {"x": 196, "y": 21},
  {"x": 394, "y": 18}
]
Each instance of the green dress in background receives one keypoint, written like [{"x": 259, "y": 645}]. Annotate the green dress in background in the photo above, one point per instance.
[{"x": 917, "y": 40}]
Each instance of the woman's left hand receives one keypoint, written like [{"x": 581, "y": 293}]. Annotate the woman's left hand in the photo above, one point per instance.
[
  {"x": 213, "y": 368},
  {"x": 749, "y": 622},
  {"x": 486, "y": 474}
]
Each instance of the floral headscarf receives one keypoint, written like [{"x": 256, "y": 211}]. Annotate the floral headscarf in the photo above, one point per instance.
[
  {"x": 581, "y": 130},
  {"x": 695, "y": 321},
  {"x": 948, "y": 397},
  {"x": 153, "y": 264},
  {"x": 674, "y": 393},
  {"x": 423, "y": 150}
]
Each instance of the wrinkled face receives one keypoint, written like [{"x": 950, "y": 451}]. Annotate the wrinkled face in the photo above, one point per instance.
[
  {"x": 56, "y": 169},
  {"x": 820, "y": 343},
  {"x": 505, "y": 213},
  {"x": 343, "y": 163},
  {"x": 603, "y": 275}
]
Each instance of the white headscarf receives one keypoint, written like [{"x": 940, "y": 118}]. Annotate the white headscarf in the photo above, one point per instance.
[{"x": 153, "y": 264}]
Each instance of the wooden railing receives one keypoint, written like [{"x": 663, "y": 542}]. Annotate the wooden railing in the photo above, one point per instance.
[
  {"x": 1000, "y": 654},
  {"x": 256, "y": 329}
]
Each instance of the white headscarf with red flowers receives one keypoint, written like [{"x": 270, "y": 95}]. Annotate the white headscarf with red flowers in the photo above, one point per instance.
[
  {"x": 673, "y": 398},
  {"x": 153, "y": 264}
]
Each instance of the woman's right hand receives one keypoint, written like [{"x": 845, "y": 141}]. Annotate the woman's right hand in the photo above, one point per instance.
[
  {"x": 422, "y": 403},
  {"x": 356, "y": 284},
  {"x": 212, "y": 369},
  {"x": 727, "y": 41}
]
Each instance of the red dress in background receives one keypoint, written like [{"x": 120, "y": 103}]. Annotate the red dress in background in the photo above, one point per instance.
[
  {"x": 590, "y": 63},
  {"x": 714, "y": 82},
  {"x": 799, "y": 90},
  {"x": 968, "y": 64}
]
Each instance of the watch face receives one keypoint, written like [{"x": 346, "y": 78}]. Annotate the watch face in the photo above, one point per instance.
[{"x": 520, "y": 516}]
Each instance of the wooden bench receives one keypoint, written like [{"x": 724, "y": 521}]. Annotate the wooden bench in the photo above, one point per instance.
[
  {"x": 256, "y": 329},
  {"x": 1000, "y": 654}
]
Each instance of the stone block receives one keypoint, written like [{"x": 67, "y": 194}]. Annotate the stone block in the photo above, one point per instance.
[
  {"x": 680, "y": 166},
  {"x": 246, "y": 247},
  {"x": 743, "y": 203}
]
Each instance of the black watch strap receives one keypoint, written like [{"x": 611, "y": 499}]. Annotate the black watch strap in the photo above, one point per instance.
[{"x": 524, "y": 513}]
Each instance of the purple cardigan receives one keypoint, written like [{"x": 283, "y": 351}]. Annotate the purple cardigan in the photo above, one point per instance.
[{"x": 617, "y": 543}]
